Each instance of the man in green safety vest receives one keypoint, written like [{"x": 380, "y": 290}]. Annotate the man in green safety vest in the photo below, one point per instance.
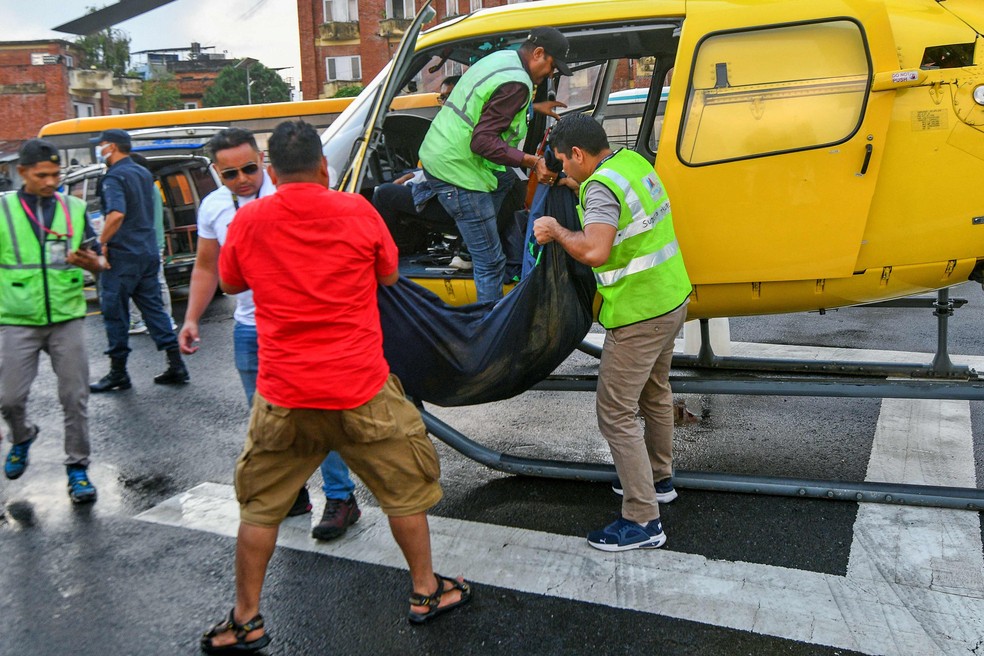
[
  {"x": 628, "y": 240},
  {"x": 474, "y": 141},
  {"x": 44, "y": 238}
]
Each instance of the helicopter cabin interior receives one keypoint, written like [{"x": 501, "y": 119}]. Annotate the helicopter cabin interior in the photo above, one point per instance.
[{"x": 601, "y": 67}]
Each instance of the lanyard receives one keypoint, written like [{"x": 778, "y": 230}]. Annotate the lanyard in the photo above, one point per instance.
[
  {"x": 608, "y": 158},
  {"x": 235, "y": 198},
  {"x": 40, "y": 224}
]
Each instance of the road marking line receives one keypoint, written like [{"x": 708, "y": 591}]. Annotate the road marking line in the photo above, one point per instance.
[
  {"x": 914, "y": 583},
  {"x": 873, "y": 615},
  {"x": 916, "y": 552}
]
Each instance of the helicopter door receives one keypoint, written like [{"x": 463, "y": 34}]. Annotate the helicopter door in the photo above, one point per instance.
[
  {"x": 779, "y": 137},
  {"x": 353, "y": 176}
]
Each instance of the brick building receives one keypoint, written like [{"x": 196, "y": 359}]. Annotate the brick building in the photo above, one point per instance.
[
  {"x": 45, "y": 81},
  {"x": 349, "y": 41},
  {"x": 195, "y": 76}
]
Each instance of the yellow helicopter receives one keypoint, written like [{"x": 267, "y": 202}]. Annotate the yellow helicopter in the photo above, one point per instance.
[{"x": 817, "y": 154}]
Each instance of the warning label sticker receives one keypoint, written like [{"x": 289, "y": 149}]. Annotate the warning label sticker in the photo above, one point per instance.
[{"x": 905, "y": 76}]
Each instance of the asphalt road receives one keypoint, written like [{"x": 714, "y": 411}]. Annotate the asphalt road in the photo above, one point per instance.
[{"x": 740, "y": 574}]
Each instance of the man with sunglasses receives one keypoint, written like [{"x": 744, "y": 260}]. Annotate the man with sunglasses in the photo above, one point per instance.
[
  {"x": 130, "y": 245},
  {"x": 473, "y": 144},
  {"x": 239, "y": 164}
]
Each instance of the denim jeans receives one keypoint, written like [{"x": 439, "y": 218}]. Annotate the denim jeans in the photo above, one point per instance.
[
  {"x": 475, "y": 214},
  {"x": 337, "y": 484},
  {"x": 136, "y": 316},
  {"x": 133, "y": 276}
]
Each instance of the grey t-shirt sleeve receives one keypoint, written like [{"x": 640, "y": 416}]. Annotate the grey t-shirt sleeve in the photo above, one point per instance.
[{"x": 600, "y": 205}]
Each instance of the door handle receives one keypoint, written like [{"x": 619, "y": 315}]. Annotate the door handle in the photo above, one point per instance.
[{"x": 867, "y": 160}]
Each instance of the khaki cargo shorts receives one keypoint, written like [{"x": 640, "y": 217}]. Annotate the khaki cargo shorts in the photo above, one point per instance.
[{"x": 383, "y": 441}]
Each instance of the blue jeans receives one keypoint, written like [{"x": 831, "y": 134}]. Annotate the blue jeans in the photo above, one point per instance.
[
  {"x": 133, "y": 276},
  {"x": 475, "y": 214},
  {"x": 337, "y": 484}
]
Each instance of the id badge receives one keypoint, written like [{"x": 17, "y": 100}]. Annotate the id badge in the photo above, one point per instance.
[{"x": 57, "y": 252}]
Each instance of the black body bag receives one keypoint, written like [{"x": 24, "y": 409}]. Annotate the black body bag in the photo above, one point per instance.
[{"x": 452, "y": 356}]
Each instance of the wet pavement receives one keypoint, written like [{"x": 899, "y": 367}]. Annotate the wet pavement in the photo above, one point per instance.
[{"x": 149, "y": 566}]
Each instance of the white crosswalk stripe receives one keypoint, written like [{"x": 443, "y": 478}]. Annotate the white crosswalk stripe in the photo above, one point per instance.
[{"x": 914, "y": 583}]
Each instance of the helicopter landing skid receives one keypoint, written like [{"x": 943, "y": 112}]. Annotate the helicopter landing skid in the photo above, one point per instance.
[
  {"x": 890, "y": 493},
  {"x": 773, "y": 377},
  {"x": 941, "y": 367}
]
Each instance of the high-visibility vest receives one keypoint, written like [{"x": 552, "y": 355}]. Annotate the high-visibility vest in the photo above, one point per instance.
[
  {"x": 35, "y": 291},
  {"x": 644, "y": 276},
  {"x": 446, "y": 151}
]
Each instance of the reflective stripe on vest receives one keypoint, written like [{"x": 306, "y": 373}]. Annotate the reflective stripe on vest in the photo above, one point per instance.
[
  {"x": 62, "y": 203},
  {"x": 10, "y": 226},
  {"x": 638, "y": 264},
  {"x": 641, "y": 220},
  {"x": 644, "y": 276},
  {"x": 474, "y": 89},
  {"x": 34, "y": 292},
  {"x": 446, "y": 151}
]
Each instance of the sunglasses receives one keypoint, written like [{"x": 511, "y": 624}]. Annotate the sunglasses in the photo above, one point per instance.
[{"x": 232, "y": 174}]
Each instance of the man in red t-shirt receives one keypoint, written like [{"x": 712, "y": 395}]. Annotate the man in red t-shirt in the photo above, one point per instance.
[{"x": 313, "y": 258}]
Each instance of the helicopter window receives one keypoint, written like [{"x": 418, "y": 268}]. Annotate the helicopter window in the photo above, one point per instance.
[
  {"x": 578, "y": 90},
  {"x": 957, "y": 55},
  {"x": 774, "y": 90}
]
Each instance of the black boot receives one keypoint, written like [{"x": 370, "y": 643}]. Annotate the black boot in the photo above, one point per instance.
[
  {"x": 117, "y": 378},
  {"x": 177, "y": 373}
]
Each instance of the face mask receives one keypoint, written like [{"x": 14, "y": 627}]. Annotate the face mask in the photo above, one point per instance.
[{"x": 100, "y": 157}]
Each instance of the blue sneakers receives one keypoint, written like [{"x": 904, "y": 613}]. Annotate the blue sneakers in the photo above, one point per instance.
[
  {"x": 80, "y": 489},
  {"x": 16, "y": 463},
  {"x": 664, "y": 490},
  {"x": 623, "y": 534}
]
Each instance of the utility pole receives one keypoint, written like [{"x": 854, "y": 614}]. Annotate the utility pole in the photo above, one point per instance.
[{"x": 247, "y": 62}]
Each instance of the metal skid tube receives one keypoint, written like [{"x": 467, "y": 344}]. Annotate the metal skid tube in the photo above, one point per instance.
[
  {"x": 870, "y": 492},
  {"x": 855, "y": 380},
  {"x": 787, "y": 386}
]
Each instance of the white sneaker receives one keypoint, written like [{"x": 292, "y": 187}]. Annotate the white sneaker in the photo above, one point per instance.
[
  {"x": 138, "y": 328},
  {"x": 460, "y": 264}
]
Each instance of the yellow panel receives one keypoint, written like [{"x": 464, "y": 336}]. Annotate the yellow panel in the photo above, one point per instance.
[
  {"x": 929, "y": 186},
  {"x": 556, "y": 13},
  {"x": 803, "y": 295},
  {"x": 743, "y": 299},
  {"x": 792, "y": 216},
  {"x": 971, "y": 11}
]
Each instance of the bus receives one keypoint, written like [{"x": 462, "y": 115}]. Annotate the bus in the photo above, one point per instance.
[
  {"x": 72, "y": 135},
  {"x": 174, "y": 144}
]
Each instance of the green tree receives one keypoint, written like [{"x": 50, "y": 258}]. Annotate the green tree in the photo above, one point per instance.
[
  {"x": 159, "y": 94},
  {"x": 108, "y": 49},
  {"x": 229, "y": 88},
  {"x": 348, "y": 91}
]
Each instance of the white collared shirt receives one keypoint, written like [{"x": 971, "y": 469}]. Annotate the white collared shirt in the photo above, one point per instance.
[{"x": 214, "y": 216}]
